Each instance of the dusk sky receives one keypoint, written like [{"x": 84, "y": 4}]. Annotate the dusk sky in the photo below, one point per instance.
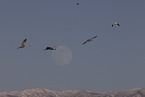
[{"x": 114, "y": 61}]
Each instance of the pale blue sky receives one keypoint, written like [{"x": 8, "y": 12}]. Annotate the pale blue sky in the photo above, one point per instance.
[{"x": 114, "y": 61}]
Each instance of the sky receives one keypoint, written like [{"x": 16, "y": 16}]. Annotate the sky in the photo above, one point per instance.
[{"x": 114, "y": 61}]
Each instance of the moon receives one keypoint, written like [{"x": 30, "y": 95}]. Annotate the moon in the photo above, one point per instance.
[{"x": 62, "y": 55}]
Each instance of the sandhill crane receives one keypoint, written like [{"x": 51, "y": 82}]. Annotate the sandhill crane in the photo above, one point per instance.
[
  {"x": 89, "y": 40},
  {"x": 50, "y": 48},
  {"x": 115, "y": 24},
  {"x": 23, "y": 44}
]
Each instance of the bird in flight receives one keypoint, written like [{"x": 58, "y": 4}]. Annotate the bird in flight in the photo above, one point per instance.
[
  {"x": 23, "y": 44},
  {"x": 115, "y": 24},
  {"x": 50, "y": 48},
  {"x": 89, "y": 40}
]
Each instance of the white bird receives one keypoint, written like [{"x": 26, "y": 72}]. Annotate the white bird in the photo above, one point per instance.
[{"x": 23, "y": 44}]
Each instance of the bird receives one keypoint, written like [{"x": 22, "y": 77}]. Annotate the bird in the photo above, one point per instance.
[
  {"x": 23, "y": 44},
  {"x": 50, "y": 48},
  {"x": 91, "y": 39},
  {"x": 115, "y": 24}
]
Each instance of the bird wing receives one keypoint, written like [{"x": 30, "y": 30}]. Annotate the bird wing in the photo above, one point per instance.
[
  {"x": 46, "y": 48},
  {"x": 23, "y": 43},
  {"x": 113, "y": 25},
  {"x": 94, "y": 37},
  {"x": 118, "y": 24},
  {"x": 85, "y": 42}
]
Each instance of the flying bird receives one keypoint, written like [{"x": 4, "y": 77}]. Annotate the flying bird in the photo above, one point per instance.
[
  {"x": 50, "y": 48},
  {"x": 115, "y": 24},
  {"x": 23, "y": 44},
  {"x": 89, "y": 40}
]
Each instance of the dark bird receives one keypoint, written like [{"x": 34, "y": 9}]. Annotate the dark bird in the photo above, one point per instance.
[
  {"x": 89, "y": 40},
  {"x": 23, "y": 44},
  {"x": 50, "y": 48},
  {"x": 115, "y": 24}
]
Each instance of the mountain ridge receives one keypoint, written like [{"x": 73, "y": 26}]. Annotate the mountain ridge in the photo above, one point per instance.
[{"x": 40, "y": 92}]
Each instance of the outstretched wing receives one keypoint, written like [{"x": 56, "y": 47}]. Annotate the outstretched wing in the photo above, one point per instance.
[
  {"x": 118, "y": 24},
  {"x": 112, "y": 25},
  {"x": 23, "y": 43},
  {"x": 47, "y": 48},
  {"x": 94, "y": 37},
  {"x": 85, "y": 42}
]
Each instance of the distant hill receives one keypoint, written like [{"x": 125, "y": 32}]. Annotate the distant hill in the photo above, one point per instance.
[{"x": 38, "y": 92}]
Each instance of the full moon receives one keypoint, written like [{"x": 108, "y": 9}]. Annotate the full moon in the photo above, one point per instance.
[{"x": 62, "y": 55}]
